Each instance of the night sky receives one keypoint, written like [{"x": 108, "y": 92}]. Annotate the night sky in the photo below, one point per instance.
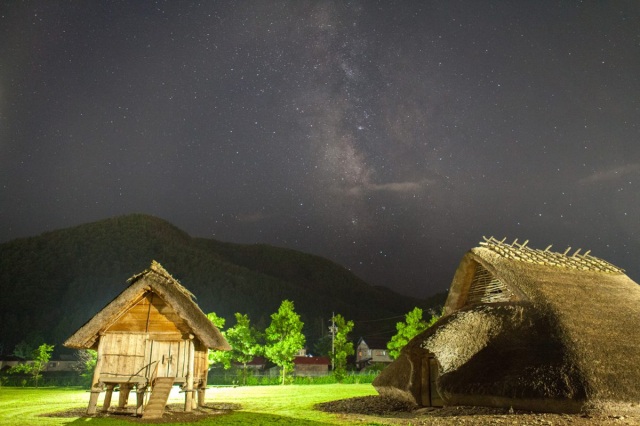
[{"x": 388, "y": 136}]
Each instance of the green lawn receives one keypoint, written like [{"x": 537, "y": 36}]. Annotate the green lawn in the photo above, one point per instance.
[{"x": 259, "y": 405}]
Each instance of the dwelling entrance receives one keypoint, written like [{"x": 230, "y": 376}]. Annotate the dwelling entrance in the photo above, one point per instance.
[
  {"x": 168, "y": 358},
  {"x": 429, "y": 389}
]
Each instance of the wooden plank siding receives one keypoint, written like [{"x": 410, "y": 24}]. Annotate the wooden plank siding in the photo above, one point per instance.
[
  {"x": 201, "y": 360},
  {"x": 150, "y": 315},
  {"x": 123, "y": 355},
  {"x": 134, "y": 357}
]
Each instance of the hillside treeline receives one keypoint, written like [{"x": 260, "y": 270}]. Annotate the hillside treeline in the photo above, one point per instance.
[{"x": 51, "y": 284}]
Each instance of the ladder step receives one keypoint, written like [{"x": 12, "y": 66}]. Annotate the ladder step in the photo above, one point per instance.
[{"x": 158, "y": 399}]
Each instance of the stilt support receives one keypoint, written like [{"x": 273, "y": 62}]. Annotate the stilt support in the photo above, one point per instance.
[
  {"x": 140, "y": 391},
  {"x": 107, "y": 397},
  {"x": 93, "y": 399},
  {"x": 125, "y": 389},
  {"x": 201, "y": 391}
]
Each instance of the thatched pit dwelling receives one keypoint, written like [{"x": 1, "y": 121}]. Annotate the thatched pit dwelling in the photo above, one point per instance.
[
  {"x": 527, "y": 329},
  {"x": 150, "y": 336}
]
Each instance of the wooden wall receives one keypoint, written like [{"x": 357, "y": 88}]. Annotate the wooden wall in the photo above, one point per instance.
[
  {"x": 123, "y": 355},
  {"x": 131, "y": 357},
  {"x": 150, "y": 314},
  {"x": 150, "y": 339}
]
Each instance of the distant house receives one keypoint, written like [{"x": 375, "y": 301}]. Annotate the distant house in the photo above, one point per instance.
[
  {"x": 256, "y": 364},
  {"x": 370, "y": 352},
  {"x": 8, "y": 361},
  {"x": 152, "y": 335},
  {"x": 528, "y": 329},
  {"x": 311, "y": 365},
  {"x": 60, "y": 366},
  {"x": 303, "y": 365},
  {"x": 53, "y": 366}
]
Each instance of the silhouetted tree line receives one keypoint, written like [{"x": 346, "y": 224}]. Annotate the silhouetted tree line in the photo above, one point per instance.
[{"x": 50, "y": 285}]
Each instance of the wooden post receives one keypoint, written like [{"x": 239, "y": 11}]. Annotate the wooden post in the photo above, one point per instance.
[
  {"x": 201, "y": 390},
  {"x": 93, "y": 401},
  {"x": 202, "y": 387},
  {"x": 96, "y": 386},
  {"x": 140, "y": 391},
  {"x": 125, "y": 388},
  {"x": 107, "y": 397},
  {"x": 188, "y": 396}
]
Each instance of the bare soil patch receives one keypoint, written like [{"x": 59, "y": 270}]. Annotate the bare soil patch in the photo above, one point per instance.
[
  {"x": 401, "y": 413},
  {"x": 173, "y": 413}
]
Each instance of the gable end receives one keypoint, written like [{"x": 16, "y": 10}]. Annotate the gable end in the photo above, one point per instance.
[{"x": 485, "y": 288}]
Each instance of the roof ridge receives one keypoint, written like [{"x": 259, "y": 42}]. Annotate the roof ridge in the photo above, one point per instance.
[
  {"x": 522, "y": 253},
  {"x": 159, "y": 269}
]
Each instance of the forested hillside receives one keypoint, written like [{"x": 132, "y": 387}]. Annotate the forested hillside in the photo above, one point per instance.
[{"x": 53, "y": 283}]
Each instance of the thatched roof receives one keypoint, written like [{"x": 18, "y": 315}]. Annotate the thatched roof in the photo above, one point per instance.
[
  {"x": 160, "y": 282},
  {"x": 548, "y": 331},
  {"x": 595, "y": 308}
]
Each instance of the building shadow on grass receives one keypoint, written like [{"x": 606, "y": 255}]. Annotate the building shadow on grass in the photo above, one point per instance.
[{"x": 222, "y": 417}]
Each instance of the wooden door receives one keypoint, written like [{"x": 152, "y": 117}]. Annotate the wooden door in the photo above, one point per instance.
[
  {"x": 434, "y": 372},
  {"x": 165, "y": 357},
  {"x": 171, "y": 358},
  {"x": 429, "y": 389}
]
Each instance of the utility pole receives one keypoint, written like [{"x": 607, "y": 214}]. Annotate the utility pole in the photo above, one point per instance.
[{"x": 332, "y": 330}]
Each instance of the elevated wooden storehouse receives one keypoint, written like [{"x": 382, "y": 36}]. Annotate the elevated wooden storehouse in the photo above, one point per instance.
[
  {"x": 529, "y": 329},
  {"x": 151, "y": 336}
]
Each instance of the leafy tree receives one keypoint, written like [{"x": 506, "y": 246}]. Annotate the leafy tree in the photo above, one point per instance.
[
  {"x": 243, "y": 339},
  {"x": 322, "y": 347},
  {"x": 407, "y": 330},
  {"x": 219, "y": 357},
  {"x": 23, "y": 350},
  {"x": 342, "y": 347},
  {"x": 216, "y": 320},
  {"x": 41, "y": 357},
  {"x": 284, "y": 337},
  {"x": 86, "y": 363}
]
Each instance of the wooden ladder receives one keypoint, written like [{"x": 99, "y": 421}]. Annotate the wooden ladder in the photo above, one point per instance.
[{"x": 159, "y": 396}]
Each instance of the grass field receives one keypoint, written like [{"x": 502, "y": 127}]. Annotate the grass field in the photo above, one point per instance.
[{"x": 259, "y": 405}]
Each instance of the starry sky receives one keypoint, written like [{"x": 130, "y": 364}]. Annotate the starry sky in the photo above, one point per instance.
[{"x": 388, "y": 136}]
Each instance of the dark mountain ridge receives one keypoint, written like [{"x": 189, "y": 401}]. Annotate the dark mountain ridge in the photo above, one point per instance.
[{"x": 53, "y": 283}]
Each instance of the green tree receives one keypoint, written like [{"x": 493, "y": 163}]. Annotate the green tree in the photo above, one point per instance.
[
  {"x": 219, "y": 357},
  {"x": 284, "y": 337},
  {"x": 23, "y": 350},
  {"x": 217, "y": 321},
  {"x": 41, "y": 357},
  {"x": 322, "y": 347},
  {"x": 244, "y": 342},
  {"x": 342, "y": 347},
  {"x": 407, "y": 330},
  {"x": 85, "y": 364}
]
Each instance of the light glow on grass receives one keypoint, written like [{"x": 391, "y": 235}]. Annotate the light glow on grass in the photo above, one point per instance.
[{"x": 259, "y": 405}]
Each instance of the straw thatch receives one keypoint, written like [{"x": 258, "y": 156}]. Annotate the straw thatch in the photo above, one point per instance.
[
  {"x": 529, "y": 329},
  {"x": 157, "y": 280}
]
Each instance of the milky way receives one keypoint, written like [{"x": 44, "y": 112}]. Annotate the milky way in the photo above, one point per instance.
[{"x": 387, "y": 136}]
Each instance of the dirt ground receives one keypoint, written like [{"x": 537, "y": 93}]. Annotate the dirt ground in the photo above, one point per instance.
[
  {"x": 375, "y": 409},
  {"x": 395, "y": 412},
  {"x": 174, "y": 413}
]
